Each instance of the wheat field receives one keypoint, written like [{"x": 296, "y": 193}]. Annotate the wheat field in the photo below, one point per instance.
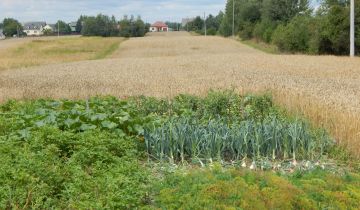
[{"x": 324, "y": 88}]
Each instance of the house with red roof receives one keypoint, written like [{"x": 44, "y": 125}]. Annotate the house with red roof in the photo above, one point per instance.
[{"x": 159, "y": 27}]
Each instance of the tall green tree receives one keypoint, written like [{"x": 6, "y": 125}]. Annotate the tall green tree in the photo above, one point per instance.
[
  {"x": 80, "y": 23},
  {"x": 283, "y": 10},
  {"x": 173, "y": 25},
  {"x": 101, "y": 25},
  {"x": 214, "y": 21},
  {"x": 246, "y": 14},
  {"x": 131, "y": 27},
  {"x": 63, "y": 27},
  {"x": 295, "y": 36},
  {"x": 89, "y": 27},
  {"x": 196, "y": 25},
  {"x": 11, "y": 27}
]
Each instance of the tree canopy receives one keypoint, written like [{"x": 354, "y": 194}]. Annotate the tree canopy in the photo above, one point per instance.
[
  {"x": 11, "y": 27},
  {"x": 63, "y": 27},
  {"x": 103, "y": 25}
]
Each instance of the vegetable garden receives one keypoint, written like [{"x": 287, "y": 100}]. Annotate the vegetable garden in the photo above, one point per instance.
[{"x": 216, "y": 152}]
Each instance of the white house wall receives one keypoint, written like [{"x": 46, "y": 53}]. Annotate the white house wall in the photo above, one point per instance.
[
  {"x": 34, "y": 32},
  {"x": 155, "y": 29}
]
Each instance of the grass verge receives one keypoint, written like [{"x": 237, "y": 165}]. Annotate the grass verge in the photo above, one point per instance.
[
  {"x": 268, "y": 48},
  {"x": 40, "y": 52},
  {"x": 107, "y": 51}
]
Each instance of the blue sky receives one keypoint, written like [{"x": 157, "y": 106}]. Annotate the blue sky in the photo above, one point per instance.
[{"x": 69, "y": 10}]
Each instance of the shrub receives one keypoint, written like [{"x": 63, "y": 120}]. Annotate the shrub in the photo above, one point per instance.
[
  {"x": 247, "y": 31},
  {"x": 263, "y": 30},
  {"x": 293, "y": 37},
  {"x": 211, "y": 32},
  {"x": 334, "y": 31}
]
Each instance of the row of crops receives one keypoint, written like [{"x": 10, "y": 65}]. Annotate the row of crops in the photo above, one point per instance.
[
  {"x": 180, "y": 139},
  {"x": 106, "y": 153}
]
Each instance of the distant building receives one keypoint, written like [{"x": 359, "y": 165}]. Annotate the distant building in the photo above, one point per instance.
[
  {"x": 51, "y": 27},
  {"x": 73, "y": 27},
  {"x": 34, "y": 28},
  {"x": 2, "y": 36},
  {"x": 186, "y": 21},
  {"x": 159, "y": 27}
]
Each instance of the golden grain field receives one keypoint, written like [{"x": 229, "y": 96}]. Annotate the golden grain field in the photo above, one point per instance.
[
  {"x": 18, "y": 53},
  {"x": 324, "y": 88}
]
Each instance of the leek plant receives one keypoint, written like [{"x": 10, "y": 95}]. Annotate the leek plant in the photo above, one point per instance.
[{"x": 182, "y": 138}]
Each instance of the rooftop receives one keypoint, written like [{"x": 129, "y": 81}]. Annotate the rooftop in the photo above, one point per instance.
[
  {"x": 34, "y": 25},
  {"x": 159, "y": 24}
]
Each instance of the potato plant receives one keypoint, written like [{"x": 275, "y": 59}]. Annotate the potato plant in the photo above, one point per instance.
[{"x": 91, "y": 154}]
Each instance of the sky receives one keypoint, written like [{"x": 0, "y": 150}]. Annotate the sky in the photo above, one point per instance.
[{"x": 69, "y": 10}]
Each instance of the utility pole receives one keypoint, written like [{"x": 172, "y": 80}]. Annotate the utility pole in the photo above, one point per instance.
[
  {"x": 233, "y": 22},
  {"x": 58, "y": 24},
  {"x": 205, "y": 23},
  {"x": 187, "y": 24},
  {"x": 352, "y": 28}
]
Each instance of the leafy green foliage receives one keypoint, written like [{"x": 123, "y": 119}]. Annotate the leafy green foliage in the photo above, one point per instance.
[
  {"x": 212, "y": 24},
  {"x": 103, "y": 25},
  {"x": 267, "y": 13},
  {"x": 107, "y": 114},
  {"x": 63, "y": 27},
  {"x": 54, "y": 168},
  {"x": 89, "y": 154},
  {"x": 226, "y": 126},
  {"x": 182, "y": 139},
  {"x": 240, "y": 189},
  {"x": 196, "y": 25},
  {"x": 292, "y": 25},
  {"x": 226, "y": 105},
  {"x": 132, "y": 27},
  {"x": 295, "y": 36},
  {"x": 11, "y": 27}
]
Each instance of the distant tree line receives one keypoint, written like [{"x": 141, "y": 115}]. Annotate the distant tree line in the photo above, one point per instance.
[
  {"x": 103, "y": 25},
  {"x": 175, "y": 26},
  {"x": 291, "y": 25},
  {"x": 212, "y": 24},
  {"x": 100, "y": 25}
]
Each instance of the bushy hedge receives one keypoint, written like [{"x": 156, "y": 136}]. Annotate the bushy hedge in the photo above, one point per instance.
[
  {"x": 293, "y": 26},
  {"x": 295, "y": 36}
]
